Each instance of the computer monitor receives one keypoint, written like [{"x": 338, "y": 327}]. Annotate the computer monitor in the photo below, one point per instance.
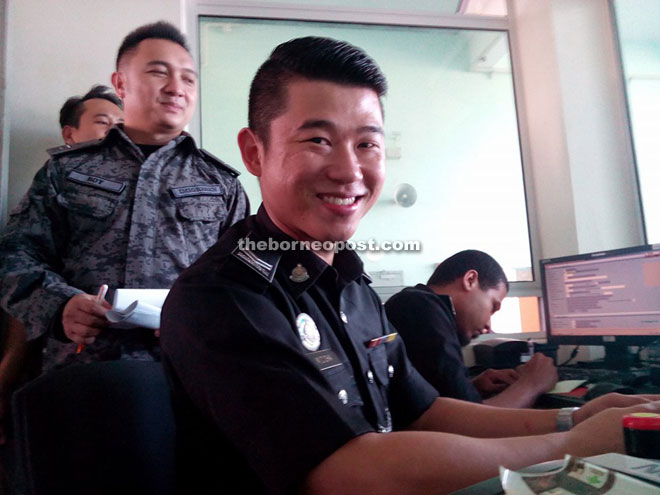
[{"x": 609, "y": 298}]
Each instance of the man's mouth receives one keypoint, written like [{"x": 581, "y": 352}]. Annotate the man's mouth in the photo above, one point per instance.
[
  {"x": 337, "y": 200},
  {"x": 171, "y": 105}
]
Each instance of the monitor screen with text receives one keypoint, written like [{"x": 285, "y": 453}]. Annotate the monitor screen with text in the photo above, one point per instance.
[{"x": 612, "y": 293}]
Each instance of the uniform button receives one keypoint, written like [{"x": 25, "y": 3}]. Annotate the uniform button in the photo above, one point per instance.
[
  {"x": 370, "y": 376},
  {"x": 343, "y": 317},
  {"x": 343, "y": 396},
  {"x": 390, "y": 370}
]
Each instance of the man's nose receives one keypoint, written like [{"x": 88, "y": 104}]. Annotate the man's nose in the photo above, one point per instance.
[
  {"x": 174, "y": 86},
  {"x": 345, "y": 166}
]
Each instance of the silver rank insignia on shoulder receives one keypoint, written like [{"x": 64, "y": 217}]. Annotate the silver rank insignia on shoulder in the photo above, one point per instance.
[
  {"x": 309, "y": 334},
  {"x": 263, "y": 262},
  {"x": 299, "y": 274}
]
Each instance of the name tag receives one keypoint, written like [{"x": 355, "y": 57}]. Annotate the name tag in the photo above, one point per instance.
[
  {"x": 98, "y": 182},
  {"x": 325, "y": 359},
  {"x": 199, "y": 190}
]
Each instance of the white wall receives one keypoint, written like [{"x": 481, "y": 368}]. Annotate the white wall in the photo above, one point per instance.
[
  {"x": 601, "y": 161},
  {"x": 57, "y": 49},
  {"x": 581, "y": 157}
]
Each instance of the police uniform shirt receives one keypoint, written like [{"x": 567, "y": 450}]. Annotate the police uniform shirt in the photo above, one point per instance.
[
  {"x": 100, "y": 213},
  {"x": 277, "y": 361},
  {"x": 427, "y": 323}
]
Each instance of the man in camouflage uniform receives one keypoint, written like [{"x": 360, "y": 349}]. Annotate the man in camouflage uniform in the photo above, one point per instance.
[
  {"x": 82, "y": 118},
  {"x": 131, "y": 210}
]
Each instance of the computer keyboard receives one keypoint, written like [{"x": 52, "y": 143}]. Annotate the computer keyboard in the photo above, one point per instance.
[
  {"x": 594, "y": 375},
  {"x": 632, "y": 380},
  {"x": 637, "y": 378}
]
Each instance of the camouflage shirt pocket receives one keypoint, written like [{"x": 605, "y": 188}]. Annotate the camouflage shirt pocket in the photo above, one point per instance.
[
  {"x": 202, "y": 210},
  {"x": 201, "y": 221},
  {"x": 87, "y": 205}
]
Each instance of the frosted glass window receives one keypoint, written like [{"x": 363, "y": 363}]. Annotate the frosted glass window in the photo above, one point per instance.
[{"x": 451, "y": 134}]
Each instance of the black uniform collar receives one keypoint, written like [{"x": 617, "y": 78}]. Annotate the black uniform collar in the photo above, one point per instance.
[
  {"x": 299, "y": 269},
  {"x": 444, "y": 299},
  {"x": 183, "y": 139}
]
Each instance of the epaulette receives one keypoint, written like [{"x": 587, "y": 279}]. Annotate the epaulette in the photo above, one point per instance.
[
  {"x": 214, "y": 159},
  {"x": 65, "y": 148},
  {"x": 263, "y": 262}
]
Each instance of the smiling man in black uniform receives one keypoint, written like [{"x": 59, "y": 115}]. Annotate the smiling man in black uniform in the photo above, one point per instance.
[{"x": 286, "y": 375}]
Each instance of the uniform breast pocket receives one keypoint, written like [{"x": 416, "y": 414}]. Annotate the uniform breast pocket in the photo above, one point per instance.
[
  {"x": 379, "y": 365},
  {"x": 201, "y": 220},
  {"x": 342, "y": 383},
  {"x": 91, "y": 207},
  {"x": 202, "y": 210}
]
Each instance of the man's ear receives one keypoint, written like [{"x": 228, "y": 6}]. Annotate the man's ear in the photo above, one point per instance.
[
  {"x": 119, "y": 83},
  {"x": 252, "y": 151},
  {"x": 67, "y": 134},
  {"x": 470, "y": 279}
]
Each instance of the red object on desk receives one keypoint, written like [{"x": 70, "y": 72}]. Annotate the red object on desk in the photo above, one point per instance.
[{"x": 577, "y": 392}]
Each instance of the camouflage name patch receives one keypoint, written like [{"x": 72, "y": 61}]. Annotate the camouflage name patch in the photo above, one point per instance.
[
  {"x": 197, "y": 190},
  {"x": 98, "y": 182}
]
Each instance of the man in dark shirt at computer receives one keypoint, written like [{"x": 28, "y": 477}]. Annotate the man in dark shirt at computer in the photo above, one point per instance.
[{"x": 454, "y": 307}]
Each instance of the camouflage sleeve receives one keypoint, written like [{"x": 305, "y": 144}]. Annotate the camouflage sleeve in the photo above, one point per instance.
[
  {"x": 238, "y": 206},
  {"x": 31, "y": 286}
]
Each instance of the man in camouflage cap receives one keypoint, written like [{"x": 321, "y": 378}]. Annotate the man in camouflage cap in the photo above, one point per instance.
[{"x": 131, "y": 210}]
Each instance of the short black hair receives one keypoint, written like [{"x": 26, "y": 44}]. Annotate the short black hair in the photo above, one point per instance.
[
  {"x": 312, "y": 58},
  {"x": 74, "y": 107},
  {"x": 158, "y": 30},
  {"x": 490, "y": 272}
]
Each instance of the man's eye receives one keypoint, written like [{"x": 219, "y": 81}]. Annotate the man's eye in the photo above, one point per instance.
[
  {"x": 319, "y": 140},
  {"x": 158, "y": 72},
  {"x": 367, "y": 145},
  {"x": 102, "y": 122}
]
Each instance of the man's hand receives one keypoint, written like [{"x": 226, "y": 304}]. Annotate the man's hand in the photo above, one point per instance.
[
  {"x": 492, "y": 382},
  {"x": 540, "y": 372},
  {"x": 603, "y": 432},
  {"x": 611, "y": 400},
  {"x": 84, "y": 317}
]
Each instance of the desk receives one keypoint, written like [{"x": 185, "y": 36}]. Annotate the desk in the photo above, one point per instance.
[
  {"x": 493, "y": 486},
  {"x": 645, "y": 469}
]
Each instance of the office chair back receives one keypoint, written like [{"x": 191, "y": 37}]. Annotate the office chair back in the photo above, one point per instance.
[{"x": 99, "y": 428}]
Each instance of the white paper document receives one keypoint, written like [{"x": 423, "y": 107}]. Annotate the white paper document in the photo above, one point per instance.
[
  {"x": 124, "y": 297},
  {"x": 134, "y": 308},
  {"x": 565, "y": 386}
]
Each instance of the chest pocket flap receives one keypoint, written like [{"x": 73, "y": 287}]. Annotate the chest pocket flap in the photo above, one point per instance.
[
  {"x": 201, "y": 209},
  {"x": 89, "y": 205}
]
